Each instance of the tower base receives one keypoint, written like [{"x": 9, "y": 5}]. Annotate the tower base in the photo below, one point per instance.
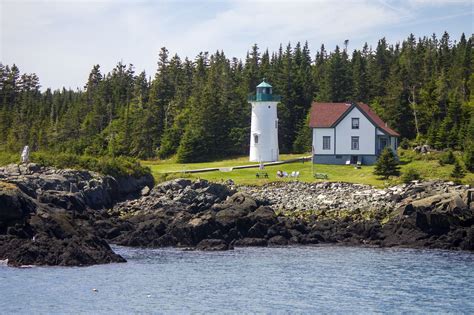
[{"x": 257, "y": 155}]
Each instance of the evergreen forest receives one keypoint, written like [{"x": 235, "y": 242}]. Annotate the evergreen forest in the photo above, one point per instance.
[{"x": 197, "y": 109}]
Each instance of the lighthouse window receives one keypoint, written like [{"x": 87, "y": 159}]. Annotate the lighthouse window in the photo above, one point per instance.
[
  {"x": 255, "y": 139},
  {"x": 276, "y": 124}
]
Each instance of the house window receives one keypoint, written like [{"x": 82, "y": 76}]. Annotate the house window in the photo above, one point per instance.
[
  {"x": 355, "y": 143},
  {"x": 355, "y": 123},
  {"x": 338, "y": 157},
  {"x": 326, "y": 143},
  {"x": 255, "y": 139}
]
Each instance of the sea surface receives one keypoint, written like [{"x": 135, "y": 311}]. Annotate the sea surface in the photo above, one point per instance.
[{"x": 328, "y": 279}]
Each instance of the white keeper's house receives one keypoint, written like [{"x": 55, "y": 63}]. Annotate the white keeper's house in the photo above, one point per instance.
[{"x": 349, "y": 133}]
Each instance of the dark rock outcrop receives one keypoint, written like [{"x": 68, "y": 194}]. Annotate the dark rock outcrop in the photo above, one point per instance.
[
  {"x": 186, "y": 214},
  {"x": 34, "y": 233},
  {"x": 54, "y": 239},
  {"x": 51, "y": 217},
  {"x": 64, "y": 217},
  {"x": 15, "y": 206},
  {"x": 441, "y": 221},
  {"x": 94, "y": 190},
  {"x": 210, "y": 216}
]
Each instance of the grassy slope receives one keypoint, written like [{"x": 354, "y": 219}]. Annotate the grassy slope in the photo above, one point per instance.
[
  {"x": 7, "y": 158},
  {"x": 429, "y": 169},
  {"x": 170, "y": 165},
  {"x": 119, "y": 166},
  {"x": 428, "y": 166}
]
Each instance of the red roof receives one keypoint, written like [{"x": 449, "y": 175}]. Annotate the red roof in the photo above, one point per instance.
[{"x": 326, "y": 115}]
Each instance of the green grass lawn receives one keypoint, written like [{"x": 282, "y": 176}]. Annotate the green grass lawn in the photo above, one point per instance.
[
  {"x": 427, "y": 165},
  {"x": 170, "y": 165},
  {"x": 429, "y": 169}
]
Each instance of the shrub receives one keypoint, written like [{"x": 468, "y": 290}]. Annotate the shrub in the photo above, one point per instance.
[
  {"x": 407, "y": 156},
  {"x": 447, "y": 158},
  {"x": 119, "y": 166},
  {"x": 411, "y": 174},
  {"x": 458, "y": 172},
  {"x": 405, "y": 144},
  {"x": 387, "y": 164},
  {"x": 8, "y": 158}
]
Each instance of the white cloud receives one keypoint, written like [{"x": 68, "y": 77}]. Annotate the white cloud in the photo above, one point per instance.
[
  {"x": 61, "y": 40},
  {"x": 440, "y": 2},
  {"x": 271, "y": 23}
]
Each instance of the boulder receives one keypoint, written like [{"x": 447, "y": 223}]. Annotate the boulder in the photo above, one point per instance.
[
  {"x": 129, "y": 185},
  {"x": 249, "y": 241},
  {"x": 277, "y": 241},
  {"x": 145, "y": 191},
  {"x": 231, "y": 217},
  {"x": 264, "y": 215},
  {"x": 239, "y": 201},
  {"x": 15, "y": 206},
  {"x": 65, "y": 200},
  {"x": 213, "y": 245},
  {"x": 173, "y": 185},
  {"x": 54, "y": 238}
]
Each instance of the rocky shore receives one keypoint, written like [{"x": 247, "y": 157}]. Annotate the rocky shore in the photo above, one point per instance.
[
  {"x": 212, "y": 216},
  {"x": 48, "y": 216},
  {"x": 67, "y": 217}
]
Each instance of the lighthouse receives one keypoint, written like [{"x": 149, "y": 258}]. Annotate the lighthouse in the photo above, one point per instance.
[{"x": 264, "y": 126}]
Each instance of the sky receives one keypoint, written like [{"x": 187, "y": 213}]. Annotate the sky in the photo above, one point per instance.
[{"x": 60, "y": 40}]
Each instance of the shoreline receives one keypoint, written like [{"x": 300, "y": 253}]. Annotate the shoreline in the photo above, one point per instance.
[
  {"x": 67, "y": 217},
  {"x": 4, "y": 263}
]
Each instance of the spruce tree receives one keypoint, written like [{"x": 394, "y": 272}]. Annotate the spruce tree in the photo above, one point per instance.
[
  {"x": 469, "y": 157},
  {"x": 458, "y": 171},
  {"x": 304, "y": 137},
  {"x": 387, "y": 164},
  {"x": 121, "y": 113},
  {"x": 448, "y": 158}
]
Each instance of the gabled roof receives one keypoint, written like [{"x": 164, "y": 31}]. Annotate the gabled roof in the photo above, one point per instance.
[
  {"x": 324, "y": 115},
  {"x": 328, "y": 115},
  {"x": 377, "y": 120}
]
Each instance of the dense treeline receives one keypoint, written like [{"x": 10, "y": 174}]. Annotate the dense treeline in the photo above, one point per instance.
[{"x": 198, "y": 109}]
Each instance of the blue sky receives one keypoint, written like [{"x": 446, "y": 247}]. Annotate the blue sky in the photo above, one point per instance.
[{"x": 61, "y": 40}]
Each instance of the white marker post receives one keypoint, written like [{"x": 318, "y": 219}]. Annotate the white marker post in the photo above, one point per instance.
[{"x": 25, "y": 155}]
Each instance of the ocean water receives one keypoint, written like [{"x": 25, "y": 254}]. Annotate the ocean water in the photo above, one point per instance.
[{"x": 328, "y": 279}]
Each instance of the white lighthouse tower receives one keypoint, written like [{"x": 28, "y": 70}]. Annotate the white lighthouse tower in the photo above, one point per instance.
[{"x": 264, "y": 127}]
